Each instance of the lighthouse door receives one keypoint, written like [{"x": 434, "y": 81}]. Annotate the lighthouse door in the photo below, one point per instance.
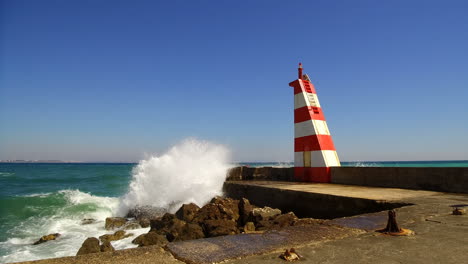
[{"x": 306, "y": 158}]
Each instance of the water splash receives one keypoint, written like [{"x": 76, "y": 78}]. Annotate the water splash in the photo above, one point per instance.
[{"x": 190, "y": 172}]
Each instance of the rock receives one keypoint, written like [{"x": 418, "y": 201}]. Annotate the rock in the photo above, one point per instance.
[
  {"x": 285, "y": 220},
  {"x": 245, "y": 210},
  {"x": 107, "y": 247},
  {"x": 231, "y": 205},
  {"x": 90, "y": 245},
  {"x": 187, "y": 212},
  {"x": 149, "y": 239},
  {"x": 131, "y": 225},
  {"x": 189, "y": 232},
  {"x": 249, "y": 227},
  {"x": 116, "y": 236},
  {"x": 175, "y": 229},
  {"x": 144, "y": 222},
  {"x": 88, "y": 221},
  {"x": 220, "y": 227},
  {"x": 46, "y": 238},
  {"x": 215, "y": 211},
  {"x": 115, "y": 222},
  {"x": 148, "y": 212},
  {"x": 265, "y": 213}
]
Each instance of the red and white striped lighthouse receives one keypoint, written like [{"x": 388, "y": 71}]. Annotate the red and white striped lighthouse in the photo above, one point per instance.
[{"x": 314, "y": 152}]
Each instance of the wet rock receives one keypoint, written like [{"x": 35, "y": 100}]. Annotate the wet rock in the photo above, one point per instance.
[
  {"x": 245, "y": 210},
  {"x": 220, "y": 227},
  {"x": 149, "y": 239},
  {"x": 146, "y": 212},
  {"x": 265, "y": 213},
  {"x": 46, "y": 238},
  {"x": 88, "y": 221},
  {"x": 285, "y": 220},
  {"x": 249, "y": 227},
  {"x": 144, "y": 222},
  {"x": 90, "y": 245},
  {"x": 107, "y": 247},
  {"x": 187, "y": 212},
  {"x": 166, "y": 223},
  {"x": 116, "y": 236},
  {"x": 115, "y": 222},
  {"x": 131, "y": 225}
]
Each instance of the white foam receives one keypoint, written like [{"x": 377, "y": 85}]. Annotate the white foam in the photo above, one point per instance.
[
  {"x": 192, "y": 171},
  {"x": 66, "y": 221}
]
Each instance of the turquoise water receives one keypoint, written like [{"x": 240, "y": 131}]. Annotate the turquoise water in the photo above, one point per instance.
[{"x": 38, "y": 199}]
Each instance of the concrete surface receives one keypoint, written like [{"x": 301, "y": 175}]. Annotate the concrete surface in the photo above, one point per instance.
[{"x": 439, "y": 237}]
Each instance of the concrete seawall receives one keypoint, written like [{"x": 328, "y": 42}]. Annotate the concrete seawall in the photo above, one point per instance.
[{"x": 453, "y": 180}]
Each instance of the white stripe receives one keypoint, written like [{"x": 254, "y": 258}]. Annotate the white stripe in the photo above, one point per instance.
[
  {"x": 300, "y": 101},
  {"x": 324, "y": 158},
  {"x": 305, "y": 99},
  {"x": 311, "y": 127}
]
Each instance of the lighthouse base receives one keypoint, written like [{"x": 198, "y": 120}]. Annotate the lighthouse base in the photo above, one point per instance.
[{"x": 316, "y": 174}]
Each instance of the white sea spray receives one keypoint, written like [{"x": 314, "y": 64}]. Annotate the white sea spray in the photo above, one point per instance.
[{"x": 192, "y": 171}]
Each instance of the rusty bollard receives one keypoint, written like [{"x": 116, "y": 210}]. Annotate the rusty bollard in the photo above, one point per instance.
[
  {"x": 457, "y": 210},
  {"x": 392, "y": 227},
  {"x": 290, "y": 255}
]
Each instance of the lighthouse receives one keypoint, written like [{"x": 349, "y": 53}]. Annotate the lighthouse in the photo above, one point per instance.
[{"x": 314, "y": 152}]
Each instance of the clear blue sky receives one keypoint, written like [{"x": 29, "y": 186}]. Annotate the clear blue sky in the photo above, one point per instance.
[{"x": 113, "y": 80}]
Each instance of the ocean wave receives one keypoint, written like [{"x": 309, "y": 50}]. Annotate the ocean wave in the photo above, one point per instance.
[
  {"x": 56, "y": 212},
  {"x": 6, "y": 174}
]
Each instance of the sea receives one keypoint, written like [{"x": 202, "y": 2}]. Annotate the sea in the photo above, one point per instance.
[{"x": 37, "y": 199}]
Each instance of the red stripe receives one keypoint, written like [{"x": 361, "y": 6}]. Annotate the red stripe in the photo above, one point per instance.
[
  {"x": 306, "y": 86},
  {"x": 313, "y": 142},
  {"x": 320, "y": 174},
  {"x": 308, "y": 113}
]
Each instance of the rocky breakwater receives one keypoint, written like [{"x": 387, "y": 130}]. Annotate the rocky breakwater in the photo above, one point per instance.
[{"x": 220, "y": 217}]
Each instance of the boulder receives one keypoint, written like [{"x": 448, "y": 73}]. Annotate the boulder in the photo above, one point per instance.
[
  {"x": 245, "y": 210},
  {"x": 249, "y": 227},
  {"x": 220, "y": 227},
  {"x": 131, "y": 225},
  {"x": 46, "y": 238},
  {"x": 149, "y": 212},
  {"x": 231, "y": 205},
  {"x": 90, "y": 245},
  {"x": 189, "y": 232},
  {"x": 107, "y": 247},
  {"x": 144, "y": 222},
  {"x": 149, "y": 239},
  {"x": 116, "y": 236},
  {"x": 88, "y": 221},
  {"x": 285, "y": 220},
  {"x": 115, "y": 222},
  {"x": 215, "y": 211},
  {"x": 265, "y": 213},
  {"x": 187, "y": 212}
]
